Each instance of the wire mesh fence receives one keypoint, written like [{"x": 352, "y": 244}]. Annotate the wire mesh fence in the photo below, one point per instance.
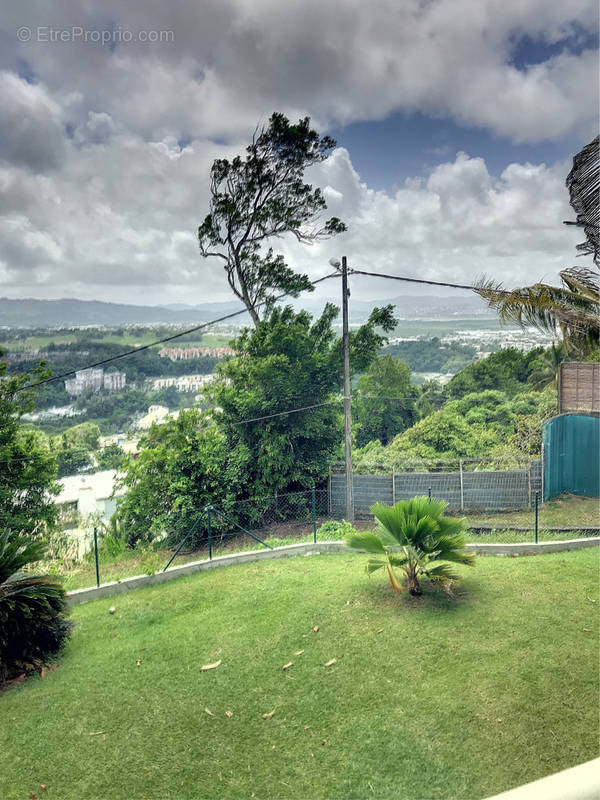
[
  {"x": 465, "y": 484},
  {"x": 313, "y": 515}
]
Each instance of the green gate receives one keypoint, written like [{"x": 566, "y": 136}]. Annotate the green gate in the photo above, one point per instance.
[{"x": 572, "y": 455}]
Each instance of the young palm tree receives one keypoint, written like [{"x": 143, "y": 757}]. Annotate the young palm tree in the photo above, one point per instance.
[
  {"x": 414, "y": 536},
  {"x": 33, "y": 609}
]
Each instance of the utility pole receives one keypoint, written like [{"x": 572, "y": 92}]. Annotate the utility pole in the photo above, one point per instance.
[{"x": 347, "y": 412}]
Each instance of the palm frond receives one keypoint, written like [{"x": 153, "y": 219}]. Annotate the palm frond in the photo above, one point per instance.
[
  {"x": 572, "y": 309},
  {"x": 373, "y": 565},
  {"x": 366, "y": 541},
  {"x": 398, "y": 560},
  {"x": 583, "y": 183},
  {"x": 441, "y": 572},
  {"x": 15, "y": 553}
]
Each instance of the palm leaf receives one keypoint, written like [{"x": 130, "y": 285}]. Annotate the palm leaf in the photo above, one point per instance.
[
  {"x": 366, "y": 541},
  {"x": 373, "y": 565},
  {"x": 441, "y": 572},
  {"x": 15, "y": 553}
]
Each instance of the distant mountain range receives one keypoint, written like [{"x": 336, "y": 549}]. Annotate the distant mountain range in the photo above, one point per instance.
[{"x": 69, "y": 312}]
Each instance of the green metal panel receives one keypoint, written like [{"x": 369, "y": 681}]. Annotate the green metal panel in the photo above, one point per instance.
[{"x": 572, "y": 455}]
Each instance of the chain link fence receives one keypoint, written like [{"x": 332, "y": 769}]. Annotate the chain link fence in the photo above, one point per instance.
[{"x": 318, "y": 515}]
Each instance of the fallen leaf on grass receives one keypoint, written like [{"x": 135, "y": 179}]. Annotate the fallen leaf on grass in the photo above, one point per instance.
[
  {"x": 324, "y": 741},
  {"x": 206, "y": 667},
  {"x": 96, "y": 733},
  {"x": 44, "y": 671},
  {"x": 269, "y": 715},
  {"x": 43, "y": 787},
  {"x": 379, "y": 631},
  {"x": 229, "y": 714},
  {"x": 32, "y": 796},
  {"x": 315, "y": 629},
  {"x": 138, "y": 663},
  {"x": 587, "y": 630},
  {"x": 209, "y": 712},
  {"x": 299, "y": 653},
  {"x": 288, "y": 665},
  {"x": 331, "y": 663},
  {"x": 113, "y": 635},
  {"x": 306, "y": 727}
]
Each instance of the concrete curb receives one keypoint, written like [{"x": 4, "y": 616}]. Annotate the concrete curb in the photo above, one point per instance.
[
  {"x": 302, "y": 549},
  {"x": 531, "y": 548},
  {"x": 577, "y": 783},
  {"x": 138, "y": 581},
  {"x": 544, "y": 528}
]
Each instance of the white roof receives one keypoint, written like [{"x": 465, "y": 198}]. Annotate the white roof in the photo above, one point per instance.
[{"x": 100, "y": 483}]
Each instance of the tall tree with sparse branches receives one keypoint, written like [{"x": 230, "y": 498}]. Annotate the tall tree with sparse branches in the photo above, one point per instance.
[
  {"x": 264, "y": 196},
  {"x": 573, "y": 309}
]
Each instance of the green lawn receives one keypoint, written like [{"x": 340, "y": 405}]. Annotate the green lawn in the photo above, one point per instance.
[{"x": 428, "y": 698}]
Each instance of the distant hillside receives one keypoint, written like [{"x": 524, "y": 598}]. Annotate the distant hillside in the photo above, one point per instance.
[{"x": 69, "y": 312}]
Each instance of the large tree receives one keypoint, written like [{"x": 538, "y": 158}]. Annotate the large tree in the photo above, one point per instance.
[
  {"x": 183, "y": 465},
  {"x": 261, "y": 197},
  {"x": 384, "y": 401},
  {"x": 290, "y": 362},
  {"x": 572, "y": 309},
  {"x": 27, "y": 467}
]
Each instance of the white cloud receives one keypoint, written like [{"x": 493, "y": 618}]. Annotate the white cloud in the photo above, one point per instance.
[
  {"x": 30, "y": 124},
  {"x": 343, "y": 61},
  {"x": 111, "y": 209}
]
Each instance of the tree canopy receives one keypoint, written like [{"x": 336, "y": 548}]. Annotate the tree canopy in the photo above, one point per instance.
[
  {"x": 264, "y": 196},
  {"x": 384, "y": 402},
  {"x": 27, "y": 466}
]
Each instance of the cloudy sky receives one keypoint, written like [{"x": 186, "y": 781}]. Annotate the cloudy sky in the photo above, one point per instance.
[{"x": 456, "y": 123}]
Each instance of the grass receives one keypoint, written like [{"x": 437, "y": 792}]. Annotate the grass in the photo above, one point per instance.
[
  {"x": 428, "y": 698},
  {"x": 566, "y": 511}
]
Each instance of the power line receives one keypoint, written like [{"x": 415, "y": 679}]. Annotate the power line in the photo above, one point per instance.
[
  {"x": 226, "y": 317},
  {"x": 200, "y": 327},
  {"x": 291, "y": 411},
  {"x": 413, "y": 280},
  {"x": 260, "y": 419}
]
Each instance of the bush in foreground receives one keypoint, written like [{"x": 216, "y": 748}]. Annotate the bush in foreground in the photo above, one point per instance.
[
  {"x": 33, "y": 609},
  {"x": 414, "y": 537}
]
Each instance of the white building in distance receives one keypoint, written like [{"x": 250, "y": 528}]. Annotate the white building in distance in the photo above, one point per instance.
[
  {"x": 93, "y": 379},
  {"x": 183, "y": 383}
]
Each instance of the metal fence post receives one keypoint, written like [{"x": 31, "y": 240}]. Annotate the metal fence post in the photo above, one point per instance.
[
  {"x": 462, "y": 486},
  {"x": 96, "y": 556},
  {"x": 537, "y": 500},
  {"x": 393, "y": 488},
  {"x": 429, "y": 492},
  {"x": 209, "y": 534},
  {"x": 314, "y": 514}
]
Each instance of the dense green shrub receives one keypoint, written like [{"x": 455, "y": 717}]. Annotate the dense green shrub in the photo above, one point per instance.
[
  {"x": 33, "y": 609},
  {"x": 335, "y": 531}
]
